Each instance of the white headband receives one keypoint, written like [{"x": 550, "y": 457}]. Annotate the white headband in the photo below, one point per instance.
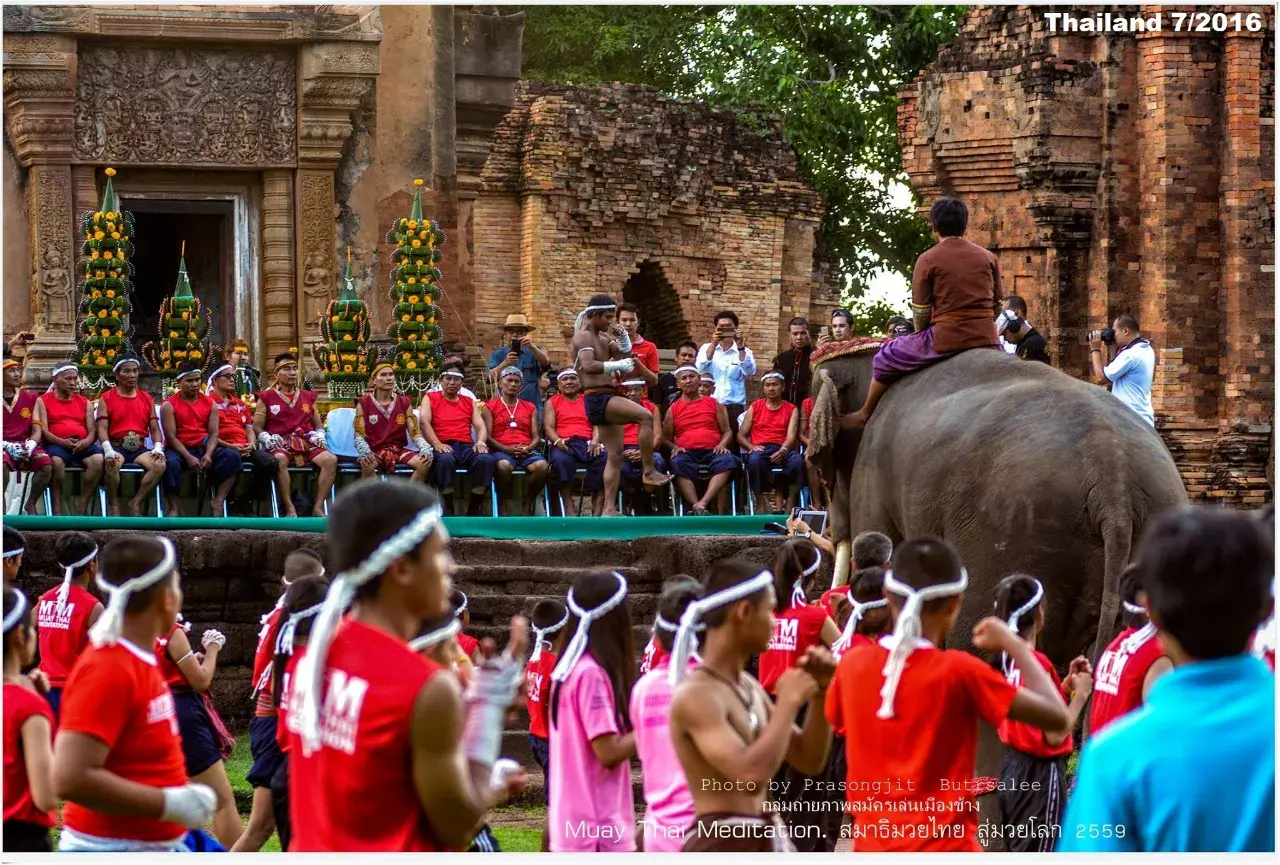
[
  {"x": 462, "y": 609},
  {"x": 289, "y": 630},
  {"x": 122, "y": 361},
  {"x": 15, "y": 615},
  {"x": 342, "y": 591},
  {"x": 845, "y": 639},
  {"x": 565, "y": 373},
  {"x": 581, "y": 321},
  {"x": 1004, "y": 319},
  {"x": 772, "y": 374},
  {"x": 633, "y": 382},
  {"x": 68, "y": 571},
  {"x": 107, "y": 631},
  {"x": 452, "y": 373},
  {"x": 681, "y": 369},
  {"x": 1134, "y": 609},
  {"x": 59, "y": 370},
  {"x": 578, "y": 644},
  {"x": 907, "y": 630},
  {"x": 1138, "y": 637},
  {"x": 1016, "y": 615},
  {"x": 682, "y": 646},
  {"x": 513, "y": 372},
  {"x": 436, "y": 637},
  {"x": 180, "y": 376},
  {"x": 219, "y": 371},
  {"x": 797, "y": 588},
  {"x": 706, "y": 376},
  {"x": 540, "y": 636},
  {"x": 8, "y": 554}
]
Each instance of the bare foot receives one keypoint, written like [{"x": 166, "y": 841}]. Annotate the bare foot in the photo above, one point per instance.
[
  {"x": 611, "y": 513},
  {"x": 290, "y": 512},
  {"x": 217, "y": 506},
  {"x": 700, "y": 510},
  {"x": 135, "y": 508},
  {"x": 82, "y": 505},
  {"x": 317, "y": 512},
  {"x": 113, "y": 509},
  {"x": 855, "y": 421},
  {"x": 655, "y": 479}
]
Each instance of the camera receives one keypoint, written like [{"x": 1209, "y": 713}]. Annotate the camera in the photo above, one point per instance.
[
  {"x": 515, "y": 345},
  {"x": 1107, "y": 335}
]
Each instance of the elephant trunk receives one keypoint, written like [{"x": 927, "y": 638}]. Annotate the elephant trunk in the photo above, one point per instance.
[{"x": 840, "y": 573}]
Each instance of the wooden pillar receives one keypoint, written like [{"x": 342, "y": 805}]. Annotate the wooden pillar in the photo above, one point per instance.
[{"x": 279, "y": 323}]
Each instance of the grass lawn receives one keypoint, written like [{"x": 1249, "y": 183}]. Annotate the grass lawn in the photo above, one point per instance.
[{"x": 514, "y": 839}]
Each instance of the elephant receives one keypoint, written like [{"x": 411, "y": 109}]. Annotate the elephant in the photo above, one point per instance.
[{"x": 1020, "y": 466}]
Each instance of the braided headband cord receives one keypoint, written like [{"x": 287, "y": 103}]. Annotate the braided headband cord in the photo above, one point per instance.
[
  {"x": 436, "y": 637},
  {"x": 1134, "y": 609},
  {"x": 907, "y": 630},
  {"x": 851, "y": 627},
  {"x": 68, "y": 571},
  {"x": 566, "y": 372},
  {"x": 15, "y": 615},
  {"x": 16, "y": 551},
  {"x": 797, "y": 588},
  {"x": 772, "y": 374},
  {"x": 581, "y": 321},
  {"x": 122, "y": 361},
  {"x": 540, "y": 636},
  {"x": 59, "y": 370},
  {"x": 462, "y": 609},
  {"x": 226, "y": 367},
  {"x": 578, "y": 643},
  {"x": 682, "y": 646},
  {"x": 106, "y": 632},
  {"x": 1015, "y": 616},
  {"x": 511, "y": 372},
  {"x": 685, "y": 368},
  {"x": 342, "y": 591},
  {"x": 180, "y": 376},
  {"x": 289, "y": 630}
]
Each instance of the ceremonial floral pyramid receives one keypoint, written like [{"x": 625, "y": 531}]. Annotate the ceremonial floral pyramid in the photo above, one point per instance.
[
  {"x": 345, "y": 356},
  {"x": 184, "y": 326},
  {"x": 415, "y": 291},
  {"x": 105, "y": 290}
]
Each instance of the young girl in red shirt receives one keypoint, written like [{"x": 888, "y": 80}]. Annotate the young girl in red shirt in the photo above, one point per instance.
[
  {"x": 65, "y": 613},
  {"x": 28, "y": 736},
  {"x": 119, "y": 757}
]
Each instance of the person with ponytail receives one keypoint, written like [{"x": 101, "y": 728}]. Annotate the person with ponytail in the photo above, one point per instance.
[
  {"x": 65, "y": 613},
  {"x": 384, "y": 752},
  {"x": 654, "y": 654},
  {"x": 912, "y": 709},
  {"x": 669, "y": 815},
  {"x": 1131, "y": 663},
  {"x": 590, "y": 807},
  {"x": 1032, "y": 789},
  {"x": 302, "y": 600},
  {"x": 29, "y": 798},
  {"x": 118, "y": 763},
  {"x": 15, "y": 545}
]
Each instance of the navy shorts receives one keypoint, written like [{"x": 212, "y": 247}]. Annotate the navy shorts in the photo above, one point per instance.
[
  {"x": 55, "y": 703},
  {"x": 70, "y": 460},
  {"x": 687, "y": 463},
  {"x": 596, "y": 403},
  {"x": 519, "y": 462},
  {"x": 199, "y": 745},
  {"x": 265, "y": 751}
]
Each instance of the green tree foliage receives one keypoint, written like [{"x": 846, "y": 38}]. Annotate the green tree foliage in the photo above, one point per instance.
[{"x": 832, "y": 73}]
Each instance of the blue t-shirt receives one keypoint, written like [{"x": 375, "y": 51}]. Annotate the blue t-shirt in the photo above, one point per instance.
[
  {"x": 1193, "y": 770},
  {"x": 529, "y": 367},
  {"x": 1130, "y": 374}
]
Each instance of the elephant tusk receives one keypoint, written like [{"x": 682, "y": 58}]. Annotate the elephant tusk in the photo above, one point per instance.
[{"x": 840, "y": 573}]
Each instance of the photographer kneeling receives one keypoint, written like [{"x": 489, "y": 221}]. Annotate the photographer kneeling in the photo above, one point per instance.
[{"x": 1130, "y": 370}]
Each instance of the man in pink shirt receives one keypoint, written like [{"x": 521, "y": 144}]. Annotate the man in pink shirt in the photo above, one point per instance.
[{"x": 669, "y": 815}]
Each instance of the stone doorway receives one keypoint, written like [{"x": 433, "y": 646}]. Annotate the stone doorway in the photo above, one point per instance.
[
  {"x": 662, "y": 321},
  {"x": 161, "y": 228}
]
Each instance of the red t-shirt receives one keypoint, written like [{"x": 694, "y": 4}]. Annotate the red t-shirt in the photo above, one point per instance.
[
  {"x": 794, "y": 631},
  {"x": 191, "y": 419},
  {"x": 467, "y": 643},
  {"x": 524, "y": 417},
  {"x": 66, "y": 417},
  {"x": 696, "y": 423},
  {"x": 653, "y": 656},
  {"x": 128, "y": 414},
  {"x": 264, "y": 706},
  {"x": 169, "y": 670},
  {"x": 358, "y": 787},
  {"x": 537, "y": 679},
  {"x": 769, "y": 426},
  {"x": 646, "y": 353},
  {"x": 926, "y": 752},
  {"x": 282, "y": 709},
  {"x": 63, "y": 634},
  {"x": 631, "y": 432},
  {"x": 233, "y": 417},
  {"x": 117, "y": 695},
  {"x": 571, "y": 417},
  {"x": 451, "y": 419},
  {"x": 20, "y": 705},
  {"x": 807, "y": 408},
  {"x": 1022, "y": 736},
  {"x": 828, "y": 597},
  {"x": 1122, "y": 669}
]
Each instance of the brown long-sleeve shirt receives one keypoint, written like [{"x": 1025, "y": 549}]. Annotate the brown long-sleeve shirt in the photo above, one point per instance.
[{"x": 962, "y": 282}]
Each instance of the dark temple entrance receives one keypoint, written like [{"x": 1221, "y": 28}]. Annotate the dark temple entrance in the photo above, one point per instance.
[{"x": 661, "y": 319}]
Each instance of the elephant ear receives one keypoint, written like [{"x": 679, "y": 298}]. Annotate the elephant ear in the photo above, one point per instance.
[{"x": 824, "y": 425}]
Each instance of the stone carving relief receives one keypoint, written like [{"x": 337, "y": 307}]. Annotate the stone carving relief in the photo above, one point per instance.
[
  {"x": 55, "y": 288},
  {"x": 176, "y": 105},
  {"x": 51, "y": 246},
  {"x": 46, "y": 18},
  {"x": 317, "y": 232}
]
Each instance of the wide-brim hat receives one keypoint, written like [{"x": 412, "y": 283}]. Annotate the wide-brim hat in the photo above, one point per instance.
[{"x": 517, "y": 320}]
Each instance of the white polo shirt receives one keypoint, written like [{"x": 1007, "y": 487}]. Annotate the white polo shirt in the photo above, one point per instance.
[{"x": 1130, "y": 374}]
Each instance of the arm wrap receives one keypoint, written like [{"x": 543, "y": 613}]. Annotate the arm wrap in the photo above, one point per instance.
[
  {"x": 922, "y": 315},
  {"x": 362, "y": 447},
  {"x": 424, "y": 447},
  {"x": 624, "y": 339},
  {"x": 624, "y": 365},
  {"x": 491, "y": 692}
]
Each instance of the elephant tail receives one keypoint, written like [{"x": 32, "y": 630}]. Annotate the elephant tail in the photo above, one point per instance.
[{"x": 1117, "y": 541}]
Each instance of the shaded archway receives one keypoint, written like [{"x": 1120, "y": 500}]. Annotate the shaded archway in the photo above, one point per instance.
[{"x": 661, "y": 318}]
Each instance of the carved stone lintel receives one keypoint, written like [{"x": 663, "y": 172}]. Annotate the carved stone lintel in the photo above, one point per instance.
[
  {"x": 357, "y": 23},
  {"x": 317, "y": 243},
  {"x": 39, "y": 94},
  {"x": 278, "y": 295},
  {"x": 336, "y": 78}
]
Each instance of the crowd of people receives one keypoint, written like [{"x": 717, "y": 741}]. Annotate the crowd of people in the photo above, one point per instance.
[{"x": 766, "y": 714}]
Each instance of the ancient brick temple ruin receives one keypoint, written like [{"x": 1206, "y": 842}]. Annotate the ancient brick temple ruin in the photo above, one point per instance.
[{"x": 1125, "y": 172}]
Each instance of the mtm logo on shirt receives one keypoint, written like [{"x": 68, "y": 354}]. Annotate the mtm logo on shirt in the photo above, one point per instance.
[
  {"x": 162, "y": 708},
  {"x": 534, "y": 683},
  {"x": 1110, "y": 668},
  {"x": 786, "y": 635},
  {"x": 340, "y": 715},
  {"x": 55, "y": 617}
]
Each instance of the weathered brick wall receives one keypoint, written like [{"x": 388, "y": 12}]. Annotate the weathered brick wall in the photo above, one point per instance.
[
  {"x": 585, "y": 185},
  {"x": 1124, "y": 172}
]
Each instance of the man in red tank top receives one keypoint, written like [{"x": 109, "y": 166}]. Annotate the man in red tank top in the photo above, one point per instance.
[
  {"x": 22, "y": 451},
  {"x": 235, "y": 431},
  {"x": 514, "y": 440},
  {"x": 385, "y": 424},
  {"x": 575, "y": 444},
  {"x": 191, "y": 434},
  {"x": 1131, "y": 664},
  {"x": 699, "y": 428},
  {"x": 768, "y": 432},
  {"x": 454, "y": 427},
  {"x": 290, "y": 429},
  {"x": 126, "y": 418},
  {"x": 69, "y": 435},
  {"x": 632, "y": 468},
  {"x": 383, "y": 751}
]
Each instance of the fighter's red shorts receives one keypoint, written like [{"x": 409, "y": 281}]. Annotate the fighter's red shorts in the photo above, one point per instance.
[
  {"x": 390, "y": 456},
  {"x": 38, "y": 460},
  {"x": 299, "y": 451}
]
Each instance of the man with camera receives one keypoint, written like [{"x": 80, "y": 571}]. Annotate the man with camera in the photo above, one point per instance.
[
  {"x": 1131, "y": 368},
  {"x": 1016, "y": 332},
  {"x": 520, "y": 352}
]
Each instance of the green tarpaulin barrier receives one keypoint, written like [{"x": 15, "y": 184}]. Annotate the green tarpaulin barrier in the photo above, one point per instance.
[{"x": 500, "y": 528}]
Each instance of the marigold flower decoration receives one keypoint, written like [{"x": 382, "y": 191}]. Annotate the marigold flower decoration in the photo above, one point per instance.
[
  {"x": 344, "y": 354},
  {"x": 105, "y": 289},
  {"x": 182, "y": 330},
  {"x": 415, "y": 291}
]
